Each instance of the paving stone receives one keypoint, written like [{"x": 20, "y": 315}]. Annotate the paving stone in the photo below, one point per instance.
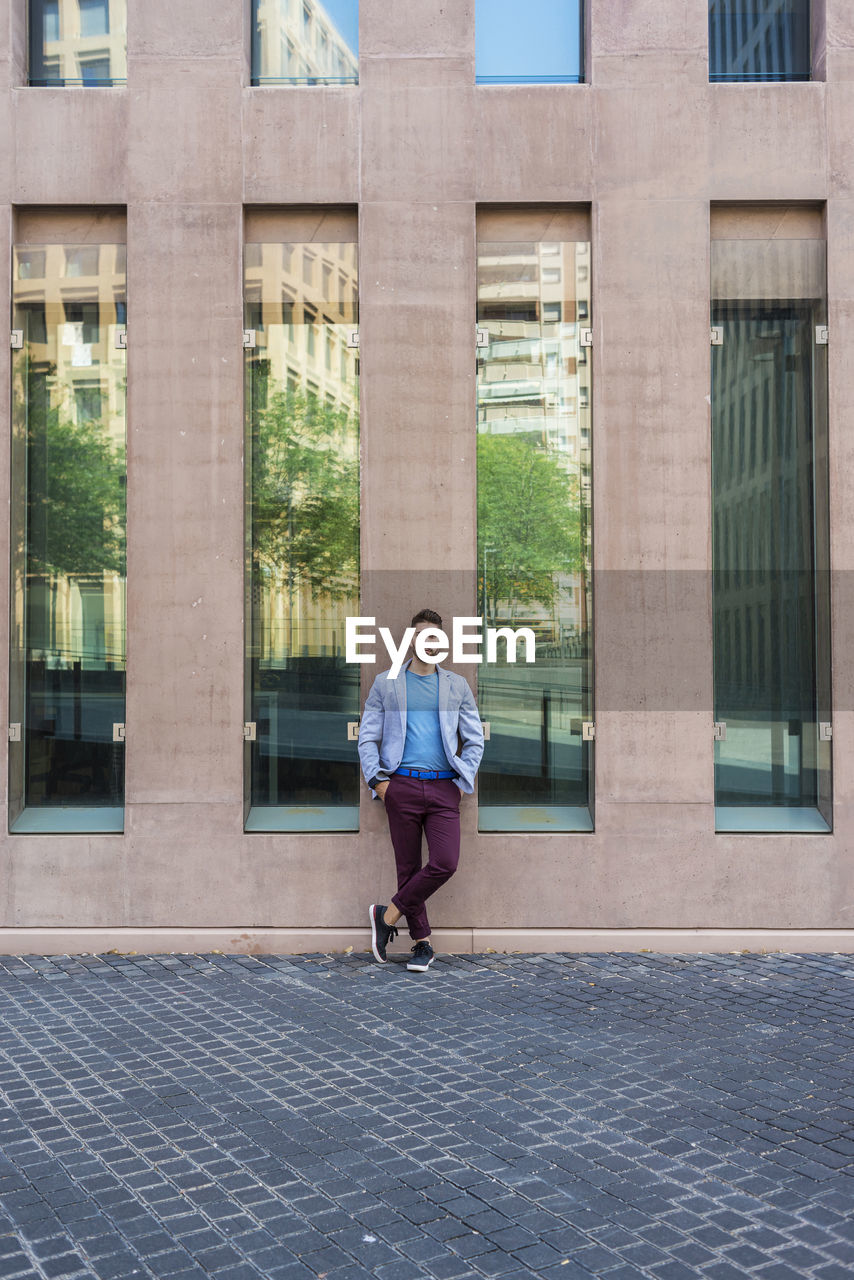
[
  {"x": 744, "y": 1255},
  {"x": 722, "y": 1271},
  {"x": 673, "y": 1270},
  {"x": 778, "y": 1271},
  {"x": 841, "y": 1250},
  {"x": 451, "y": 1268},
  {"x": 495, "y": 1263}
]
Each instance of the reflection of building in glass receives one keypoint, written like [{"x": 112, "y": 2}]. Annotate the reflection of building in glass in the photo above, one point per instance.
[
  {"x": 762, "y": 524},
  {"x": 298, "y": 40},
  {"x": 69, "y": 428},
  {"x": 759, "y": 39},
  {"x": 766, "y": 416},
  {"x": 533, "y": 521},
  {"x": 83, "y": 41},
  {"x": 302, "y": 303},
  {"x": 302, "y": 451},
  {"x": 533, "y": 380}
]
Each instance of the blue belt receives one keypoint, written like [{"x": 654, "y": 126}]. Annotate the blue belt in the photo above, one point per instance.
[{"x": 426, "y": 773}]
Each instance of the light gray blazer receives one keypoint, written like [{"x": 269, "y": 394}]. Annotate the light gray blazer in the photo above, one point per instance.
[{"x": 382, "y": 732}]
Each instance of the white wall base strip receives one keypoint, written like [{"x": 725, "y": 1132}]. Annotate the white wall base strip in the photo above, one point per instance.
[{"x": 60, "y": 940}]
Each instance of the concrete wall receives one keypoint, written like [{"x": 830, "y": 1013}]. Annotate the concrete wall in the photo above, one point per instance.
[{"x": 647, "y": 146}]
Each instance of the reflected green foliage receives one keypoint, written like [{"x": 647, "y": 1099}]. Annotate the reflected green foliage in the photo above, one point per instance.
[
  {"x": 75, "y": 492},
  {"x": 306, "y": 495},
  {"x": 528, "y": 521}
]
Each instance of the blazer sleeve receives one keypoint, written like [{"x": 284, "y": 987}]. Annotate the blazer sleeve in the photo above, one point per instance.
[
  {"x": 371, "y": 735},
  {"x": 470, "y": 729}
]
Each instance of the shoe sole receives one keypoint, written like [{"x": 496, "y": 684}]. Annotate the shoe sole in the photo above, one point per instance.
[
  {"x": 420, "y": 968},
  {"x": 377, "y": 956}
]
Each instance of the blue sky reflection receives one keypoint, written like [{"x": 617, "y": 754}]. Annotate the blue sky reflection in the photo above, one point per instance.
[
  {"x": 344, "y": 15},
  {"x": 537, "y": 40}
]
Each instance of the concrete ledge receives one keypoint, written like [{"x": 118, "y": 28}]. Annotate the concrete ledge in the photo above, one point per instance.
[{"x": 59, "y": 940}]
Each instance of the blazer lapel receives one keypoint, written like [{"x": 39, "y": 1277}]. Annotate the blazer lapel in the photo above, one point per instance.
[
  {"x": 399, "y": 687},
  {"x": 444, "y": 688}
]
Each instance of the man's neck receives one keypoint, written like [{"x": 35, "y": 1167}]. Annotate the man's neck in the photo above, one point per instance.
[{"x": 419, "y": 668}]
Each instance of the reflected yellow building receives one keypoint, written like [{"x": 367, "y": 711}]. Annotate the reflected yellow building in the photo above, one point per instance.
[
  {"x": 81, "y": 40},
  {"x": 534, "y": 301},
  {"x": 69, "y": 385},
  {"x": 301, "y": 311},
  {"x": 297, "y": 40}
]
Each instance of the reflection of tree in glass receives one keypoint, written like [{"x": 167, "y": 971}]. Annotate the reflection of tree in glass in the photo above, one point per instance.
[
  {"x": 305, "y": 495},
  {"x": 528, "y": 522},
  {"x": 75, "y": 492}
]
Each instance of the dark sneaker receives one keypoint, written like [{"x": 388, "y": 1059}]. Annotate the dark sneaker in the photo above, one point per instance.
[
  {"x": 381, "y": 933},
  {"x": 422, "y": 957}
]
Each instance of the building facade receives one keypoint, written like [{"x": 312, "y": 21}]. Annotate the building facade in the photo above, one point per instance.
[{"x": 305, "y": 327}]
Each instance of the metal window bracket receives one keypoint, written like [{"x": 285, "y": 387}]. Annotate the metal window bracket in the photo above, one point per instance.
[
  {"x": 825, "y": 731},
  {"x": 716, "y": 334},
  {"x": 481, "y": 336},
  {"x": 17, "y": 339},
  {"x": 821, "y": 335},
  {"x": 250, "y": 731},
  {"x": 353, "y": 730},
  {"x": 487, "y": 729},
  {"x": 118, "y": 733},
  {"x": 248, "y": 339},
  {"x": 14, "y": 733},
  {"x": 585, "y": 337},
  {"x": 121, "y": 339},
  {"x": 588, "y": 731},
  {"x": 720, "y": 731},
  {"x": 353, "y": 339}
]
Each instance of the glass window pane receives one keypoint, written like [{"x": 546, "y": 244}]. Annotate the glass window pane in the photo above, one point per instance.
[
  {"x": 82, "y": 260},
  {"x": 67, "y": 688},
  {"x": 94, "y": 17},
  {"x": 759, "y": 40},
  {"x": 51, "y": 19},
  {"x": 302, "y": 450},
  {"x": 534, "y": 531},
  {"x": 306, "y": 42},
  {"x": 540, "y": 41},
  {"x": 31, "y": 264},
  {"x": 94, "y": 70},
  {"x": 78, "y": 44},
  {"x": 770, "y": 541}
]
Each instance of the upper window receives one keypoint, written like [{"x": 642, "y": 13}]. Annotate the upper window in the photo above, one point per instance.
[
  {"x": 540, "y": 42},
  {"x": 759, "y": 40},
  {"x": 305, "y": 42},
  {"x": 79, "y": 42}
]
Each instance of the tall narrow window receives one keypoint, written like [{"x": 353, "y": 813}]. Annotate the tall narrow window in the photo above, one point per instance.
[
  {"x": 308, "y": 42},
  {"x": 539, "y": 42},
  {"x": 302, "y": 452},
  {"x": 770, "y": 535},
  {"x": 82, "y": 43},
  {"x": 67, "y": 694},
  {"x": 534, "y": 531},
  {"x": 759, "y": 40}
]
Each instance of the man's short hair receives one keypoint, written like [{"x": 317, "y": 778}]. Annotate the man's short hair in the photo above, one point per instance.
[{"x": 426, "y": 615}]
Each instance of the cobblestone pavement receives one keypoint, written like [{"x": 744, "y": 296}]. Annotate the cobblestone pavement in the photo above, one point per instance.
[{"x": 563, "y": 1116}]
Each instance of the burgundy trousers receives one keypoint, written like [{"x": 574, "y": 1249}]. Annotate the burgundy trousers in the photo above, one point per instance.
[{"x": 413, "y": 806}]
